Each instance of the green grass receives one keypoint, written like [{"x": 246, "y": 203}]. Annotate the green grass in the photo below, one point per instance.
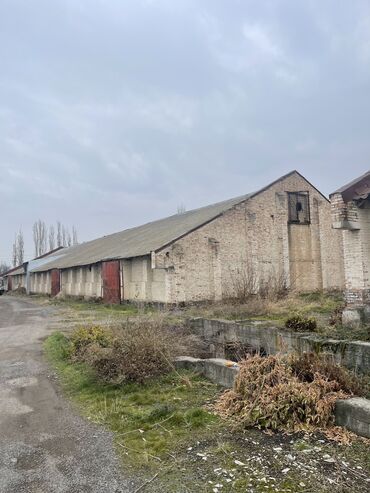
[
  {"x": 164, "y": 427},
  {"x": 318, "y": 304},
  {"x": 150, "y": 420},
  {"x": 86, "y": 305}
]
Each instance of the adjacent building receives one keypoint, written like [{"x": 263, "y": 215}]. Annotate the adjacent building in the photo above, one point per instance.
[
  {"x": 281, "y": 233},
  {"x": 351, "y": 216},
  {"x": 20, "y": 277}
]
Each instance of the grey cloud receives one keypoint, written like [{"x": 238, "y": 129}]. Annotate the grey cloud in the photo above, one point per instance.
[{"x": 112, "y": 113}]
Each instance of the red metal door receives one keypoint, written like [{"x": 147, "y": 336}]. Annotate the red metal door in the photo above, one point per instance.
[
  {"x": 111, "y": 281},
  {"x": 55, "y": 282}
]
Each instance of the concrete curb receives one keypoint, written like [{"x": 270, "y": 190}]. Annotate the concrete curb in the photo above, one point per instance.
[
  {"x": 354, "y": 414},
  {"x": 215, "y": 369}
]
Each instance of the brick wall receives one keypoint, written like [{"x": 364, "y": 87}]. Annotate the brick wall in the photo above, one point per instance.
[
  {"x": 354, "y": 223},
  {"x": 255, "y": 236},
  {"x": 252, "y": 240}
]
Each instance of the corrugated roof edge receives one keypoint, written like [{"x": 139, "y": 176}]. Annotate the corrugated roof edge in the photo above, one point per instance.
[
  {"x": 352, "y": 183},
  {"x": 13, "y": 269},
  {"x": 243, "y": 198}
]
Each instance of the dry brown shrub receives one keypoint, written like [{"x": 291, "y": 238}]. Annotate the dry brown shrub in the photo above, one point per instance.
[
  {"x": 307, "y": 365},
  {"x": 271, "y": 394},
  {"x": 140, "y": 349},
  {"x": 246, "y": 282}
]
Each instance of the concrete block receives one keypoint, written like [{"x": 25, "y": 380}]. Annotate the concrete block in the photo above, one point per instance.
[
  {"x": 215, "y": 369},
  {"x": 366, "y": 314},
  {"x": 352, "y": 318},
  {"x": 354, "y": 414},
  {"x": 218, "y": 371}
]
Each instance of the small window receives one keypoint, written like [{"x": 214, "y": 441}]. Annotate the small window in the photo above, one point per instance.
[{"x": 299, "y": 207}]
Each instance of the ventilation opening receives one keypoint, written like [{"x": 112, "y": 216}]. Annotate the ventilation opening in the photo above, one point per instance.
[{"x": 299, "y": 207}]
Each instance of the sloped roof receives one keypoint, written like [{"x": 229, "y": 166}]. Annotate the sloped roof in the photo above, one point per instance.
[
  {"x": 15, "y": 272},
  {"x": 143, "y": 240},
  {"x": 20, "y": 269},
  {"x": 356, "y": 188}
]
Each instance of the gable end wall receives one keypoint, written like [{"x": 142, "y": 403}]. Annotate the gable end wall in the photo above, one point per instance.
[{"x": 255, "y": 237}]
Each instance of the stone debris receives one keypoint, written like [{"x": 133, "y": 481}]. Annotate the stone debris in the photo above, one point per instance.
[
  {"x": 267, "y": 467},
  {"x": 239, "y": 463}
]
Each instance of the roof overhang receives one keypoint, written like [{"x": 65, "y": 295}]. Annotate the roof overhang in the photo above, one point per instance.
[{"x": 358, "y": 189}]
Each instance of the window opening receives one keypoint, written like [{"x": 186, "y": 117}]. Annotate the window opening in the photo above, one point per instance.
[{"x": 299, "y": 207}]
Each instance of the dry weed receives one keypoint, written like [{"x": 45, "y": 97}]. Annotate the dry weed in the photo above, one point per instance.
[{"x": 286, "y": 393}]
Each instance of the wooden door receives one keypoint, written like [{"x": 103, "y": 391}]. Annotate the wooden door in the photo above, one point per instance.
[
  {"x": 55, "y": 282},
  {"x": 111, "y": 281}
]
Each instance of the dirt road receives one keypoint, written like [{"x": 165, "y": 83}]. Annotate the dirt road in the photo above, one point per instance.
[{"x": 45, "y": 447}]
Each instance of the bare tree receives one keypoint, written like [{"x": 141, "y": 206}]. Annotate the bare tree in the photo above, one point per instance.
[
  {"x": 40, "y": 237},
  {"x": 14, "y": 252},
  {"x": 18, "y": 249},
  {"x": 64, "y": 236},
  {"x": 4, "y": 267},
  {"x": 51, "y": 238},
  {"x": 181, "y": 208},
  {"x": 74, "y": 236},
  {"x": 59, "y": 234}
]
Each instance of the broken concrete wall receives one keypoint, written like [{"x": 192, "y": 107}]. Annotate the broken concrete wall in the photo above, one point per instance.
[{"x": 220, "y": 334}]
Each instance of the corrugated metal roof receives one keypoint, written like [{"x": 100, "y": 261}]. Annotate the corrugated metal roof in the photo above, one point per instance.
[
  {"x": 353, "y": 183},
  {"x": 143, "y": 240},
  {"x": 20, "y": 269},
  {"x": 17, "y": 271}
]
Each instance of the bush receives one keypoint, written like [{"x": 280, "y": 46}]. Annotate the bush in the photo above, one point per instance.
[
  {"x": 58, "y": 347},
  {"x": 245, "y": 283},
  {"x": 286, "y": 393},
  {"x": 88, "y": 335},
  {"x": 134, "y": 352},
  {"x": 307, "y": 365},
  {"x": 298, "y": 323}
]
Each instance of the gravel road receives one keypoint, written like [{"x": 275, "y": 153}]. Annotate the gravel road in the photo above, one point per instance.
[{"x": 45, "y": 446}]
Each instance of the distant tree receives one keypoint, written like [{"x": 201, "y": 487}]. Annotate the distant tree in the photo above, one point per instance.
[
  {"x": 4, "y": 267},
  {"x": 14, "y": 252},
  {"x": 18, "y": 249},
  {"x": 40, "y": 237},
  {"x": 59, "y": 234},
  {"x": 74, "y": 236},
  {"x": 181, "y": 209},
  {"x": 64, "y": 236},
  {"x": 51, "y": 238}
]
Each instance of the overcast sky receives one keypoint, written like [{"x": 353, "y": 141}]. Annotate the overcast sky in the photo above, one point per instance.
[{"x": 113, "y": 112}]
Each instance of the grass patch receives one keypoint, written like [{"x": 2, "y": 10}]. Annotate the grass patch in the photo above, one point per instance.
[
  {"x": 317, "y": 303},
  {"x": 99, "y": 307},
  {"x": 149, "y": 420},
  {"x": 164, "y": 427}
]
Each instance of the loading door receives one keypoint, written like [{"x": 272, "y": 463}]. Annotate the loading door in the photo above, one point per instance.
[
  {"x": 111, "y": 281},
  {"x": 55, "y": 282}
]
